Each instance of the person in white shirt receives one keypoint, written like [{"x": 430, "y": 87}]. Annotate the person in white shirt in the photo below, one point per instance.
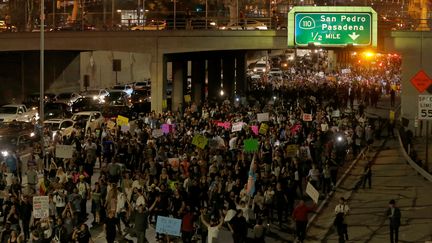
[{"x": 342, "y": 207}]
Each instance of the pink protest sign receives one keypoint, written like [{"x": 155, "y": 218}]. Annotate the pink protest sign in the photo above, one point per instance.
[
  {"x": 165, "y": 128},
  {"x": 255, "y": 129}
]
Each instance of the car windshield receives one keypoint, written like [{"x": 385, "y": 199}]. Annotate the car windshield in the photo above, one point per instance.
[
  {"x": 120, "y": 87},
  {"x": 53, "y": 106},
  {"x": 8, "y": 110},
  {"x": 260, "y": 65},
  {"x": 140, "y": 93},
  {"x": 80, "y": 117},
  {"x": 92, "y": 92}
]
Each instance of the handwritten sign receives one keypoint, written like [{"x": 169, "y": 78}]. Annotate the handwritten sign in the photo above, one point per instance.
[
  {"x": 125, "y": 128},
  {"x": 225, "y": 125},
  {"x": 165, "y": 128},
  {"x": 336, "y": 113},
  {"x": 255, "y": 129},
  {"x": 307, "y": 117},
  {"x": 156, "y": 133},
  {"x": 236, "y": 127},
  {"x": 64, "y": 151},
  {"x": 312, "y": 192},
  {"x": 40, "y": 207},
  {"x": 250, "y": 145},
  {"x": 263, "y": 128},
  {"x": 168, "y": 226},
  {"x": 324, "y": 127},
  {"x": 263, "y": 117},
  {"x": 291, "y": 150},
  {"x": 111, "y": 125},
  {"x": 200, "y": 141},
  {"x": 122, "y": 121}
]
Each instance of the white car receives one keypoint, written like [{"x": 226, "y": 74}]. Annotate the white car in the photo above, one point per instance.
[
  {"x": 89, "y": 120},
  {"x": 59, "y": 125},
  {"x": 97, "y": 94},
  {"x": 142, "y": 85},
  {"x": 17, "y": 112},
  {"x": 249, "y": 25},
  {"x": 124, "y": 87},
  {"x": 260, "y": 67}
]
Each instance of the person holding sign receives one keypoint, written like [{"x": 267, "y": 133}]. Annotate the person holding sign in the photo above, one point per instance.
[{"x": 213, "y": 227}]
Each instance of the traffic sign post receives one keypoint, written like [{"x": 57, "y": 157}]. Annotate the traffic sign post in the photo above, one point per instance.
[
  {"x": 425, "y": 113},
  {"x": 421, "y": 81},
  {"x": 332, "y": 26}
]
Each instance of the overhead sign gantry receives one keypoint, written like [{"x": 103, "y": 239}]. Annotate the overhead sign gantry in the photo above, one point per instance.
[{"x": 332, "y": 26}]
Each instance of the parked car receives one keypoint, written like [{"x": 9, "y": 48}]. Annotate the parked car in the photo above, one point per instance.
[
  {"x": 249, "y": 25},
  {"x": 152, "y": 25},
  {"x": 116, "y": 103},
  {"x": 67, "y": 97},
  {"x": 141, "y": 101},
  {"x": 17, "y": 112},
  {"x": 16, "y": 136},
  {"x": 123, "y": 87},
  {"x": 88, "y": 120},
  {"x": 57, "y": 110},
  {"x": 32, "y": 100},
  {"x": 58, "y": 125},
  {"x": 87, "y": 103},
  {"x": 142, "y": 85},
  {"x": 97, "y": 94}
]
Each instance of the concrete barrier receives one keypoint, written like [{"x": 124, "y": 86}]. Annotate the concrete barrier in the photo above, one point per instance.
[{"x": 413, "y": 164}]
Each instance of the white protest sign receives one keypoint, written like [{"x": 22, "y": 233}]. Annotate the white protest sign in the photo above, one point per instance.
[
  {"x": 157, "y": 133},
  {"x": 346, "y": 71},
  {"x": 40, "y": 207},
  {"x": 64, "y": 151},
  {"x": 237, "y": 126},
  {"x": 336, "y": 113},
  {"x": 169, "y": 226},
  {"x": 263, "y": 117},
  {"x": 125, "y": 128},
  {"x": 312, "y": 192}
]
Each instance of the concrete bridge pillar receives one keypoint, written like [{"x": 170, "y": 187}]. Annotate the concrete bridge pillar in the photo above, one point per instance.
[
  {"x": 228, "y": 68},
  {"x": 158, "y": 73},
  {"x": 179, "y": 73},
  {"x": 198, "y": 80},
  {"x": 214, "y": 78},
  {"x": 241, "y": 67}
]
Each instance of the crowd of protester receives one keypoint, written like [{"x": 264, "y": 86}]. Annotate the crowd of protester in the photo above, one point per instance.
[{"x": 141, "y": 175}]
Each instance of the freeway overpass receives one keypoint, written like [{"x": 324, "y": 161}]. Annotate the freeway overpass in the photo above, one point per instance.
[{"x": 161, "y": 47}]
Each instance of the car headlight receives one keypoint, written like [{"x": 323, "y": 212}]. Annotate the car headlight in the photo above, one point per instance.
[
  {"x": 254, "y": 69},
  {"x": 5, "y": 153},
  {"x": 212, "y": 23},
  {"x": 32, "y": 134},
  {"x": 95, "y": 97}
]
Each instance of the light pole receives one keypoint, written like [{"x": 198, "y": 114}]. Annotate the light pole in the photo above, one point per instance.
[
  {"x": 175, "y": 13},
  {"x": 206, "y": 12},
  {"x": 41, "y": 65}
]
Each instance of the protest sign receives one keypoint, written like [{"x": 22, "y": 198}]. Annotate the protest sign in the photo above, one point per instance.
[
  {"x": 187, "y": 98},
  {"x": 312, "y": 192},
  {"x": 263, "y": 128},
  {"x": 336, "y": 113},
  {"x": 291, "y": 150},
  {"x": 122, "y": 121},
  {"x": 307, "y": 117},
  {"x": 64, "y": 151},
  {"x": 255, "y": 129},
  {"x": 250, "y": 145},
  {"x": 157, "y": 133},
  {"x": 263, "y": 117},
  {"x": 324, "y": 127},
  {"x": 200, "y": 141},
  {"x": 236, "y": 127},
  {"x": 125, "y": 128},
  {"x": 40, "y": 207},
  {"x": 165, "y": 128},
  {"x": 168, "y": 226},
  {"x": 111, "y": 125}
]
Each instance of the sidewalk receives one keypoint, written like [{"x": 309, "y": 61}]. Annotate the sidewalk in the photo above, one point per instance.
[{"x": 392, "y": 178}]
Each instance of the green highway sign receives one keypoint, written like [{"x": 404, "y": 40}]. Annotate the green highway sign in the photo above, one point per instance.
[{"x": 332, "y": 26}]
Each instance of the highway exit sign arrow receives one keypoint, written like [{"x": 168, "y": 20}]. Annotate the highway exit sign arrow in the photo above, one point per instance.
[{"x": 332, "y": 26}]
